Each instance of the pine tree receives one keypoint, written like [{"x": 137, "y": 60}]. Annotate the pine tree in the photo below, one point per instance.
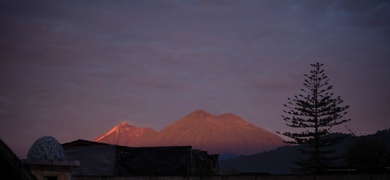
[{"x": 314, "y": 112}]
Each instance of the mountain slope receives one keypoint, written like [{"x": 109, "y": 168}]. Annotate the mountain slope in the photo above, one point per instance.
[
  {"x": 125, "y": 134},
  {"x": 279, "y": 161}
]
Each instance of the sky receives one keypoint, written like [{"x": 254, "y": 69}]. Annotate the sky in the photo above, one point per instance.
[{"x": 74, "y": 69}]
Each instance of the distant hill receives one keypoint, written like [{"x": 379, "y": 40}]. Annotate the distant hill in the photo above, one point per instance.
[
  {"x": 223, "y": 134},
  {"x": 279, "y": 161}
]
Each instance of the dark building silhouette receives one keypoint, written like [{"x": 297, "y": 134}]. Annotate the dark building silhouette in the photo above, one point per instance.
[
  {"x": 46, "y": 160},
  {"x": 100, "y": 159}
]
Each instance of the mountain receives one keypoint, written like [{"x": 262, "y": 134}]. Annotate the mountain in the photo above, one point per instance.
[
  {"x": 125, "y": 134},
  {"x": 279, "y": 161},
  {"x": 223, "y": 134}
]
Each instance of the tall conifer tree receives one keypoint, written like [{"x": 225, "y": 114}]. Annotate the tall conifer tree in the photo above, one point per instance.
[{"x": 314, "y": 112}]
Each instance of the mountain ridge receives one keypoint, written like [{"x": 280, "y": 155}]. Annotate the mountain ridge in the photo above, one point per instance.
[{"x": 280, "y": 160}]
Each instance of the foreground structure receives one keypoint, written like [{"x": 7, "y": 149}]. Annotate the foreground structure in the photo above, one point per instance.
[
  {"x": 100, "y": 159},
  {"x": 46, "y": 160},
  {"x": 11, "y": 166}
]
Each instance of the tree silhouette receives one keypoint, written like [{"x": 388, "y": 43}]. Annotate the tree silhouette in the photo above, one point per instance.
[{"x": 314, "y": 112}]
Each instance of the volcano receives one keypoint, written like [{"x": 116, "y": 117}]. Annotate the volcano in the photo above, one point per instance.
[
  {"x": 125, "y": 135},
  {"x": 223, "y": 134}
]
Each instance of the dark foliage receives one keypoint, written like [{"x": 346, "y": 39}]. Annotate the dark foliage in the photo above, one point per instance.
[
  {"x": 368, "y": 153},
  {"x": 315, "y": 112},
  {"x": 279, "y": 161}
]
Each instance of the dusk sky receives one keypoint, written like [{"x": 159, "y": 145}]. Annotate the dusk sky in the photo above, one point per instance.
[{"x": 75, "y": 69}]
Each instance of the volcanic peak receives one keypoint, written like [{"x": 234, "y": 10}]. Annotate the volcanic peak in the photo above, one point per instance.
[
  {"x": 229, "y": 116},
  {"x": 125, "y": 134},
  {"x": 200, "y": 114},
  {"x": 232, "y": 118}
]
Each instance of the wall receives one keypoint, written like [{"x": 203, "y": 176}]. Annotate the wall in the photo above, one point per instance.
[
  {"x": 42, "y": 174},
  {"x": 355, "y": 176}
]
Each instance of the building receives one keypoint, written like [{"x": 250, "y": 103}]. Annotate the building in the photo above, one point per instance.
[
  {"x": 46, "y": 160},
  {"x": 100, "y": 159}
]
